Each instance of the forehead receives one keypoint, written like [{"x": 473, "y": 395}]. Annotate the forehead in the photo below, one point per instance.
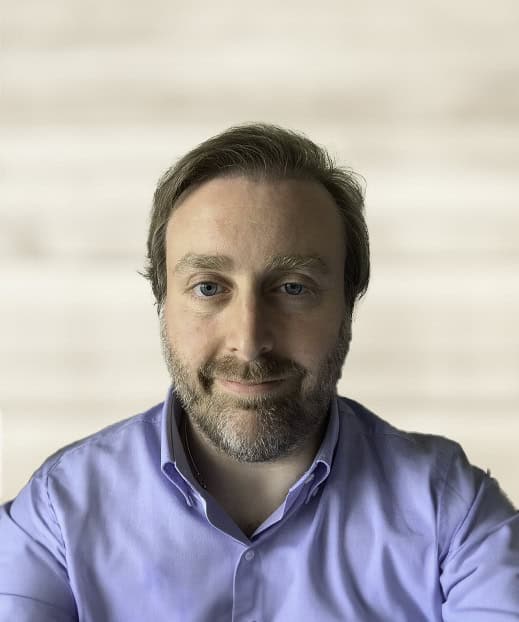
[{"x": 253, "y": 220}]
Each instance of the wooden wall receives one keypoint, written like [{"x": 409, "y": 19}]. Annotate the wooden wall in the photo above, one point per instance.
[{"x": 98, "y": 98}]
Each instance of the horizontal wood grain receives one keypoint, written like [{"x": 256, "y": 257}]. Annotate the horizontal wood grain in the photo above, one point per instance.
[{"x": 99, "y": 99}]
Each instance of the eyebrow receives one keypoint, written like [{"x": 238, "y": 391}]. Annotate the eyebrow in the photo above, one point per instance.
[{"x": 280, "y": 263}]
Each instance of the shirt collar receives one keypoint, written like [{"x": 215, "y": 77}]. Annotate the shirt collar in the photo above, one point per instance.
[{"x": 171, "y": 448}]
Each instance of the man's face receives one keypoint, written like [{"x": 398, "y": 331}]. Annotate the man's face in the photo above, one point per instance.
[{"x": 255, "y": 317}]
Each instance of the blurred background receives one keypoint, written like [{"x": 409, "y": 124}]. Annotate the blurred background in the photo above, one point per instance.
[{"x": 98, "y": 98}]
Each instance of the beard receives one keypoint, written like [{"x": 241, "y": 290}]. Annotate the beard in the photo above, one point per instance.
[{"x": 257, "y": 428}]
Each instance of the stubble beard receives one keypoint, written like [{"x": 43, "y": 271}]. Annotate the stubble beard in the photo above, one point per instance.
[{"x": 260, "y": 428}]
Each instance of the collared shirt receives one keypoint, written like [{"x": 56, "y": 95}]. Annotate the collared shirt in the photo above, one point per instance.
[{"x": 383, "y": 526}]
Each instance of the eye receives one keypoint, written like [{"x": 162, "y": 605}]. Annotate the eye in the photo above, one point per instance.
[
  {"x": 294, "y": 289},
  {"x": 208, "y": 289}
]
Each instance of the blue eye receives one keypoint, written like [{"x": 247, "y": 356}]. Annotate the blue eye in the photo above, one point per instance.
[
  {"x": 210, "y": 289},
  {"x": 294, "y": 289},
  {"x": 207, "y": 289}
]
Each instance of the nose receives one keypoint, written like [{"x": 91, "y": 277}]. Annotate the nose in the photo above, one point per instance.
[{"x": 248, "y": 328}]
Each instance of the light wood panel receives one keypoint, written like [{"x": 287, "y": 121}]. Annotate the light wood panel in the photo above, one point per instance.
[{"x": 99, "y": 99}]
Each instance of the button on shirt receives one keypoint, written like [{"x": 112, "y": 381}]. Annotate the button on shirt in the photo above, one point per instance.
[{"x": 384, "y": 526}]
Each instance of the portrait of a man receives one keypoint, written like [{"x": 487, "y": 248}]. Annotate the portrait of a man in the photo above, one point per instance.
[{"x": 254, "y": 491}]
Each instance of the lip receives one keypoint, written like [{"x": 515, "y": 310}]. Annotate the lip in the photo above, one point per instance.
[{"x": 251, "y": 389}]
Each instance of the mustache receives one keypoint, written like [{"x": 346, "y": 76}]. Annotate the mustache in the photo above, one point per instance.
[{"x": 259, "y": 370}]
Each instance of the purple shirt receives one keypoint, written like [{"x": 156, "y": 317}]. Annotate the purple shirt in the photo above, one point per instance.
[{"x": 384, "y": 526}]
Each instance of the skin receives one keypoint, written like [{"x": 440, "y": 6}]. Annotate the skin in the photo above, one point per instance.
[{"x": 251, "y": 443}]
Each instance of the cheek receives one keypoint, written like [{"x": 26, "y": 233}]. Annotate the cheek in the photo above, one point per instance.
[
  {"x": 189, "y": 337},
  {"x": 183, "y": 324},
  {"x": 309, "y": 345}
]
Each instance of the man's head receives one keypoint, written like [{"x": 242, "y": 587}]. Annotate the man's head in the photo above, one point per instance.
[{"x": 257, "y": 251}]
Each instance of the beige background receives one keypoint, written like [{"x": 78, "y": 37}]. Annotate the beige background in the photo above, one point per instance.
[{"x": 99, "y": 98}]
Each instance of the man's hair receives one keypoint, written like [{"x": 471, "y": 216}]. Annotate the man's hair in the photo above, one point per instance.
[{"x": 269, "y": 152}]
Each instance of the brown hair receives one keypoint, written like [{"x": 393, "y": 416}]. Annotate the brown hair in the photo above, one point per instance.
[{"x": 263, "y": 151}]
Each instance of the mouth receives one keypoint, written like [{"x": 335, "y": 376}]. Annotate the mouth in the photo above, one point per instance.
[{"x": 250, "y": 388}]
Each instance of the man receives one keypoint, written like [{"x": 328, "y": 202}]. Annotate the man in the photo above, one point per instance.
[{"x": 254, "y": 492}]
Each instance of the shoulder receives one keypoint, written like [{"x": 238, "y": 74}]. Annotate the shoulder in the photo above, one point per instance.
[
  {"x": 123, "y": 438},
  {"x": 400, "y": 445},
  {"x": 428, "y": 467},
  {"x": 426, "y": 474},
  {"x": 80, "y": 476}
]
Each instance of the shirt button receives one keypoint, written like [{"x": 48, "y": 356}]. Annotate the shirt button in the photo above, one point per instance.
[
  {"x": 249, "y": 555},
  {"x": 315, "y": 492},
  {"x": 309, "y": 478}
]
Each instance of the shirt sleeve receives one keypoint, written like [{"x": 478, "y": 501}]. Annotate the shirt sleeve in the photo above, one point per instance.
[
  {"x": 479, "y": 547},
  {"x": 34, "y": 583}
]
